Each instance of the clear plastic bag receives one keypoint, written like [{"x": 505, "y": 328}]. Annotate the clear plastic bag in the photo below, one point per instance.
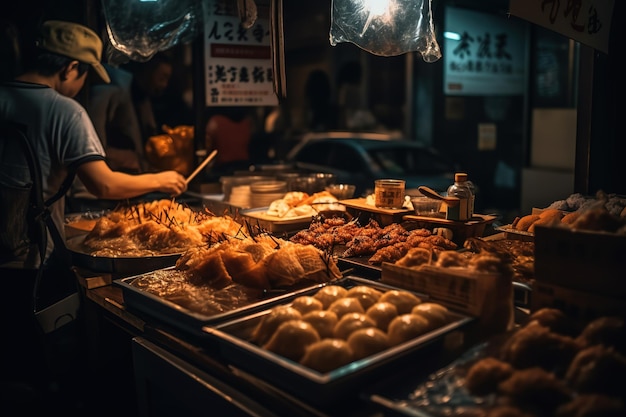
[
  {"x": 139, "y": 29},
  {"x": 398, "y": 27}
]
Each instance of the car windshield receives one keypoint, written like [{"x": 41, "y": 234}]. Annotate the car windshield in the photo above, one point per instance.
[{"x": 408, "y": 161}]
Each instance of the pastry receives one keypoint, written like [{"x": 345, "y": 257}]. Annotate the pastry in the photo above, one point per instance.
[
  {"x": 382, "y": 313},
  {"x": 403, "y": 300},
  {"x": 368, "y": 341},
  {"x": 327, "y": 354},
  {"x": 406, "y": 327}
]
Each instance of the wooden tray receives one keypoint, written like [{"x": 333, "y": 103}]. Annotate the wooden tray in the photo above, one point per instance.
[
  {"x": 359, "y": 206},
  {"x": 475, "y": 227}
]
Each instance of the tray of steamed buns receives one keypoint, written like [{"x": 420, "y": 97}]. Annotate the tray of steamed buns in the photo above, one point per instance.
[{"x": 332, "y": 340}]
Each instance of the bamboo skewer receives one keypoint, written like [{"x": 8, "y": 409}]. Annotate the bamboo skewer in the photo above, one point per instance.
[{"x": 201, "y": 166}]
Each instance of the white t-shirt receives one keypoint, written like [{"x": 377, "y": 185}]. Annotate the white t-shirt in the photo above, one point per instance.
[{"x": 61, "y": 134}]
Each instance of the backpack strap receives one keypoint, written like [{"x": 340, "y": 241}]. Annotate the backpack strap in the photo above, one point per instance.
[{"x": 38, "y": 209}]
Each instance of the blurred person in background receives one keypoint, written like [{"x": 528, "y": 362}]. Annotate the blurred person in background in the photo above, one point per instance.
[
  {"x": 229, "y": 130},
  {"x": 352, "y": 107},
  {"x": 320, "y": 112}
]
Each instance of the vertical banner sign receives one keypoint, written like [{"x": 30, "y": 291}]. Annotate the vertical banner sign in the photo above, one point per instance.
[
  {"x": 585, "y": 21},
  {"x": 238, "y": 62},
  {"x": 483, "y": 54}
]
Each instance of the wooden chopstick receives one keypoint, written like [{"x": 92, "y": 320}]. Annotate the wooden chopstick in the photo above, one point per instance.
[{"x": 201, "y": 166}]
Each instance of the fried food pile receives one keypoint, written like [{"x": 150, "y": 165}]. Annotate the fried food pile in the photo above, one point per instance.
[
  {"x": 520, "y": 254},
  {"x": 550, "y": 366},
  {"x": 381, "y": 244},
  {"x": 262, "y": 262},
  {"x": 156, "y": 228}
]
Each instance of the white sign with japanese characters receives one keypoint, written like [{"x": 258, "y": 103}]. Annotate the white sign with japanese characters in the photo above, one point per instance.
[
  {"x": 585, "y": 21},
  {"x": 483, "y": 54},
  {"x": 238, "y": 62}
]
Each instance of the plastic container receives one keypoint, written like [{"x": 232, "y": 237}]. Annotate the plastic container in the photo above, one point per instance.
[
  {"x": 461, "y": 190},
  {"x": 427, "y": 207}
]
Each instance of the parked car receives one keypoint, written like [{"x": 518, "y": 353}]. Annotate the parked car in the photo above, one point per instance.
[{"x": 361, "y": 158}]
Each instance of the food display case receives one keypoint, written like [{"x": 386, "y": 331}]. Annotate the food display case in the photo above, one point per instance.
[{"x": 422, "y": 376}]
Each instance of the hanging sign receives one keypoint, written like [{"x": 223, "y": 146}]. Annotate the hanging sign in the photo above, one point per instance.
[
  {"x": 585, "y": 21},
  {"x": 238, "y": 62},
  {"x": 483, "y": 54}
]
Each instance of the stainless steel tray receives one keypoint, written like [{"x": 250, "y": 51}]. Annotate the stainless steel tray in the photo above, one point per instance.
[
  {"x": 118, "y": 265},
  {"x": 233, "y": 338},
  {"x": 430, "y": 391},
  {"x": 177, "y": 312}
]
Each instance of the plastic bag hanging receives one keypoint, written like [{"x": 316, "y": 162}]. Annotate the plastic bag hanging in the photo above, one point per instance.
[
  {"x": 385, "y": 27},
  {"x": 139, "y": 29}
]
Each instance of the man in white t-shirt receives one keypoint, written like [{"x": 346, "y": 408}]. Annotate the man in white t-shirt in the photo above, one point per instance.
[{"x": 60, "y": 130}]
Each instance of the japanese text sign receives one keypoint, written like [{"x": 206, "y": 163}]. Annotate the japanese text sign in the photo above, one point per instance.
[
  {"x": 585, "y": 21},
  {"x": 238, "y": 63},
  {"x": 483, "y": 54}
]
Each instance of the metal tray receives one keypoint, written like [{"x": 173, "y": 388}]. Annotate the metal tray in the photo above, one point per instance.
[
  {"x": 185, "y": 318},
  {"x": 300, "y": 381},
  {"x": 431, "y": 390},
  {"x": 119, "y": 265},
  {"x": 360, "y": 267}
]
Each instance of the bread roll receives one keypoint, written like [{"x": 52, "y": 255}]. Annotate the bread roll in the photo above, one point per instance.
[
  {"x": 382, "y": 313},
  {"x": 350, "y": 322},
  {"x": 306, "y": 303},
  {"x": 346, "y": 305},
  {"x": 570, "y": 218},
  {"x": 551, "y": 212},
  {"x": 546, "y": 218},
  {"x": 270, "y": 322},
  {"x": 291, "y": 339},
  {"x": 403, "y": 300},
  {"x": 327, "y": 355},
  {"x": 330, "y": 293},
  {"x": 436, "y": 314},
  {"x": 525, "y": 222},
  {"x": 368, "y": 341},
  {"x": 324, "y": 321},
  {"x": 367, "y": 296},
  {"x": 406, "y": 327}
]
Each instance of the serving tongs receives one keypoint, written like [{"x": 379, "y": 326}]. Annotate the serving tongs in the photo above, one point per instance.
[{"x": 429, "y": 192}]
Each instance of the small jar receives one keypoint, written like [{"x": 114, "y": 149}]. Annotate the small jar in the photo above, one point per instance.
[{"x": 389, "y": 193}]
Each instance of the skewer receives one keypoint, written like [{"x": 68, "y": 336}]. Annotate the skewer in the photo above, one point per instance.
[{"x": 201, "y": 166}]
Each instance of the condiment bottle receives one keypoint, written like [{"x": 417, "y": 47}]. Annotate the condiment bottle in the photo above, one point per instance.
[{"x": 461, "y": 190}]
